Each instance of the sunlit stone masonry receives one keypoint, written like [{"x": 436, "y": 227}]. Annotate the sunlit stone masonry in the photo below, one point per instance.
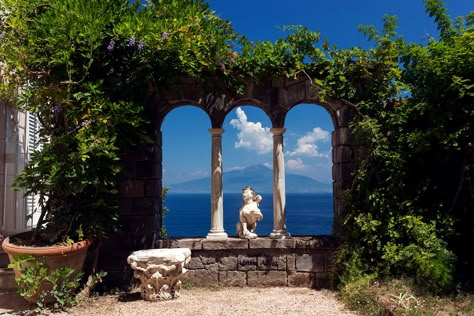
[
  {"x": 259, "y": 262},
  {"x": 159, "y": 271}
]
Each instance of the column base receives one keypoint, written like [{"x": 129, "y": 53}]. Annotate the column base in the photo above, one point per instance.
[
  {"x": 217, "y": 235},
  {"x": 280, "y": 234}
]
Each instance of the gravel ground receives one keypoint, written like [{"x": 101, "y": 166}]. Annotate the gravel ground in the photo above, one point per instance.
[
  {"x": 206, "y": 301},
  {"x": 222, "y": 301}
]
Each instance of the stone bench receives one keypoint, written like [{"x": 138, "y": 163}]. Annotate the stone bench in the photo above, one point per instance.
[{"x": 159, "y": 271}]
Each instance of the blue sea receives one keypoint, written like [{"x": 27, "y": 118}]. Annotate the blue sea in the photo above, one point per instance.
[{"x": 307, "y": 214}]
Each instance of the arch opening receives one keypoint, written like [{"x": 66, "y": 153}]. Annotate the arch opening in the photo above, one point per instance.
[
  {"x": 185, "y": 168},
  {"x": 308, "y": 167}
]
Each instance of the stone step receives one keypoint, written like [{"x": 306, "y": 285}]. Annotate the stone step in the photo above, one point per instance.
[
  {"x": 7, "y": 281},
  {"x": 7, "y": 276},
  {"x": 3, "y": 260}
]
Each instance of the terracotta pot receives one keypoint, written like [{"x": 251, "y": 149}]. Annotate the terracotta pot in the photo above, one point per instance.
[{"x": 53, "y": 256}]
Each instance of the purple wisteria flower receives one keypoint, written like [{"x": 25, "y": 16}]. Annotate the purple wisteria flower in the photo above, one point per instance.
[
  {"x": 141, "y": 45},
  {"x": 221, "y": 63},
  {"x": 132, "y": 41},
  {"x": 231, "y": 59},
  {"x": 164, "y": 36},
  {"x": 111, "y": 45},
  {"x": 57, "y": 112}
]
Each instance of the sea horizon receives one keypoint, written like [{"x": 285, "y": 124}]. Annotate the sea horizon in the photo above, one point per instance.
[{"x": 307, "y": 214}]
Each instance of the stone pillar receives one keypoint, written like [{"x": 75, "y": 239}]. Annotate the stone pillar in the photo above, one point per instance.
[
  {"x": 279, "y": 193},
  {"x": 217, "y": 205}
]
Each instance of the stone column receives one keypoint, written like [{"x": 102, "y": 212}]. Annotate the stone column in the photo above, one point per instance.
[
  {"x": 279, "y": 194},
  {"x": 217, "y": 205}
]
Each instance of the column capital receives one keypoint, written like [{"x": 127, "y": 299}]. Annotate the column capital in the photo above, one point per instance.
[
  {"x": 216, "y": 131},
  {"x": 277, "y": 131}
]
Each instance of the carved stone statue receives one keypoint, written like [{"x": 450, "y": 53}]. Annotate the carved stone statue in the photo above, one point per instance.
[
  {"x": 159, "y": 271},
  {"x": 249, "y": 214}
]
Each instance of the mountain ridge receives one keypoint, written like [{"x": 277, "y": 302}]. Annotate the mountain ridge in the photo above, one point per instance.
[{"x": 259, "y": 177}]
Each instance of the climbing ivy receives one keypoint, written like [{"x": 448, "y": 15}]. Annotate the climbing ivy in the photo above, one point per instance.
[
  {"x": 84, "y": 66},
  {"x": 410, "y": 210}
]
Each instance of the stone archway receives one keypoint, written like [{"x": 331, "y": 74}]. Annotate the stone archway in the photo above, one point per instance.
[{"x": 140, "y": 189}]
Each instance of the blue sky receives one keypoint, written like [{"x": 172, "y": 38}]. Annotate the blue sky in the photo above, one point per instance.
[{"x": 247, "y": 139}]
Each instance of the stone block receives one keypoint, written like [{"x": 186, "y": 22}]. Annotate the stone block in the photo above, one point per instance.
[
  {"x": 147, "y": 169},
  {"x": 233, "y": 278},
  {"x": 212, "y": 267},
  {"x": 342, "y": 153},
  {"x": 191, "y": 243},
  {"x": 153, "y": 188},
  {"x": 344, "y": 116},
  {"x": 7, "y": 281},
  {"x": 301, "y": 279},
  {"x": 139, "y": 225},
  {"x": 208, "y": 259},
  {"x": 4, "y": 261},
  {"x": 339, "y": 189},
  {"x": 144, "y": 205},
  {"x": 189, "y": 277},
  {"x": 201, "y": 277},
  {"x": 195, "y": 263},
  {"x": 230, "y": 243},
  {"x": 266, "y": 278},
  {"x": 319, "y": 242},
  {"x": 266, "y": 243},
  {"x": 291, "y": 262},
  {"x": 125, "y": 206},
  {"x": 311, "y": 263},
  {"x": 267, "y": 262},
  {"x": 246, "y": 263},
  {"x": 132, "y": 188},
  {"x": 228, "y": 263},
  {"x": 343, "y": 172},
  {"x": 342, "y": 136},
  {"x": 360, "y": 152},
  {"x": 324, "y": 280}
]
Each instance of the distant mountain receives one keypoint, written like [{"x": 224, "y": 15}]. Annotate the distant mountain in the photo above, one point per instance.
[{"x": 259, "y": 177}]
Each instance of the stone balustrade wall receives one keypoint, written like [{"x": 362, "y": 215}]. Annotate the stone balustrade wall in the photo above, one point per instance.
[{"x": 261, "y": 262}]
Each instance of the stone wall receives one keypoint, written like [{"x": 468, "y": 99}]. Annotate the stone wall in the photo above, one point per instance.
[{"x": 261, "y": 262}]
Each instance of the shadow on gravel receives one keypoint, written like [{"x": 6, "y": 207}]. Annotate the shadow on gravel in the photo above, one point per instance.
[{"x": 129, "y": 297}]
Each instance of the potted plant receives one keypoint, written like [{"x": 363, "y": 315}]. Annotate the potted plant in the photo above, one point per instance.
[
  {"x": 83, "y": 69},
  {"x": 83, "y": 130}
]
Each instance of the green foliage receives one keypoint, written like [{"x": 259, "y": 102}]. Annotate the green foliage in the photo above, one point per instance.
[
  {"x": 401, "y": 297},
  {"x": 36, "y": 279},
  {"x": 164, "y": 210},
  {"x": 357, "y": 296},
  {"x": 84, "y": 68},
  {"x": 410, "y": 200}
]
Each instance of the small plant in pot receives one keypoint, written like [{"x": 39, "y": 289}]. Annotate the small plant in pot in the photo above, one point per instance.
[
  {"x": 74, "y": 178},
  {"x": 84, "y": 128}
]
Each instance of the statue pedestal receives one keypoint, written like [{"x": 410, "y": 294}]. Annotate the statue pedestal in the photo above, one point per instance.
[{"x": 159, "y": 271}]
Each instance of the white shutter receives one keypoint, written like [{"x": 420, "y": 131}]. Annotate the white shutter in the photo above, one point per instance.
[{"x": 32, "y": 212}]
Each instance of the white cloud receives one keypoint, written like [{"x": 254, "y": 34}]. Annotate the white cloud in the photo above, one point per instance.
[
  {"x": 295, "y": 164},
  {"x": 306, "y": 145},
  {"x": 268, "y": 165},
  {"x": 252, "y": 135},
  {"x": 199, "y": 174},
  {"x": 234, "y": 168}
]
